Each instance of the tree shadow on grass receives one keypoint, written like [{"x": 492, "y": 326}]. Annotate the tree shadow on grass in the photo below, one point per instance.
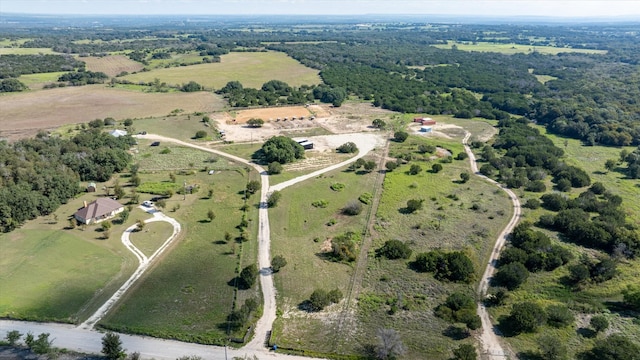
[
  {"x": 219, "y": 242},
  {"x": 456, "y": 333},
  {"x": 306, "y": 306},
  {"x": 530, "y": 355},
  {"x": 237, "y": 282},
  {"x": 586, "y": 333},
  {"x": 405, "y": 211}
]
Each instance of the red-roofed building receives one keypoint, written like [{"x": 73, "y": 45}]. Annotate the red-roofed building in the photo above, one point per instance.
[{"x": 99, "y": 210}]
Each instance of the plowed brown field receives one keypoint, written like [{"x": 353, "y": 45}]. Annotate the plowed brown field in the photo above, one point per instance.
[
  {"x": 111, "y": 65},
  {"x": 25, "y": 113}
]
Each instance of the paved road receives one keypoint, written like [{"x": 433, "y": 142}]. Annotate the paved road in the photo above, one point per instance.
[{"x": 491, "y": 345}]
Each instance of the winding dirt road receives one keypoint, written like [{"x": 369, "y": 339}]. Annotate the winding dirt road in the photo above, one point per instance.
[{"x": 492, "y": 349}]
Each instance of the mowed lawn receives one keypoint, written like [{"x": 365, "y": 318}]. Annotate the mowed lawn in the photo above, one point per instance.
[
  {"x": 510, "y": 49},
  {"x": 300, "y": 232},
  {"x": 51, "y": 274},
  {"x": 252, "y": 69},
  {"x": 188, "y": 294}
]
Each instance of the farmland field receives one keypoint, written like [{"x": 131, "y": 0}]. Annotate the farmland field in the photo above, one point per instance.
[
  {"x": 251, "y": 69},
  {"x": 187, "y": 295},
  {"x": 111, "y": 65},
  {"x": 510, "y": 49},
  {"x": 26, "y": 113}
]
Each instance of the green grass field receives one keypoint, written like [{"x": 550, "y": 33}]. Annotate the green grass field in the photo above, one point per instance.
[
  {"x": 299, "y": 232},
  {"x": 151, "y": 237},
  {"x": 36, "y": 81},
  {"x": 51, "y": 274},
  {"x": 187, "y": 295},
  {"x": 510, "y": 49},
  {"x": 251, "y": 69}
]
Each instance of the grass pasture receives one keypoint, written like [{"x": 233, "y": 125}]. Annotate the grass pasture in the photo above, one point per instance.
[
  {"x": 51, "y": 274},
  {"x": 455, "y": 216},
  {"x": 111, "y": 65},
  {"x": 37, "y": 81},
  {"x": 300, "y": 232},
  {"x": 188, "y": 293},
  {"x": 510, "y": 49},
  {"x": 25, "y": 113},
  {"x": 251, "y": 69}
]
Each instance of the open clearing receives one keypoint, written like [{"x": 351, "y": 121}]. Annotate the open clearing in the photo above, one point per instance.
[
  {"x": 26, "y": 51},
  {"x": 111, "y": 65},
  {"x": 25, "y": 113},
  {"x": 252, "y": 69},
  {"x": 511, "y": 49}
]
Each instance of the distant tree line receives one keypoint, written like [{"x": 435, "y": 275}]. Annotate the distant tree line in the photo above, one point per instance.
[
  {"x": 12, "y": 66},
  {"x": 38, "y": 175}
]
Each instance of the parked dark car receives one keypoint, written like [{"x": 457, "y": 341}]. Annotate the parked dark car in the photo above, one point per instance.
[{"x": 155, "y": 143}]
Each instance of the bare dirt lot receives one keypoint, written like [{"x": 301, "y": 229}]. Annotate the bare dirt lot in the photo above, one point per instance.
[
  {"x": 25, "y": 113},
  {"x": 349, "y": 118}
]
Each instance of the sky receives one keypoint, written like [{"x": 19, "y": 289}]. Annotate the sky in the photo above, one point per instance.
[{"x": 556, "y": 8}]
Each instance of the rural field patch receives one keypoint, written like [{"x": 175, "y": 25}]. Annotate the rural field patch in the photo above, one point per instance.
[
  {"x": 24, "y": 114},
  {"x": 111, "y": 65},
  {"x": 252, "y": 69},
  {"x": 188, "y": 293},
  {"x": 510, "y": 49}
]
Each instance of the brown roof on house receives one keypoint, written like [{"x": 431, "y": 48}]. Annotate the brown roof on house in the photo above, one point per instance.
[{"x": 98, "y": 208}]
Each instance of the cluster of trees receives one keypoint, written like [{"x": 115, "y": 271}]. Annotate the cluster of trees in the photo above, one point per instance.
[
  {"x": 394, "y": 249},
  {"x": 282, "y": 149},
  {"x": 83, "y": 78},
  {"x": 38, "y": 175},
  {"x": 321, "y": 298},
  {"x": 12, "y": 65},
  {"x": 459, "y": 307},
  {"x": 607, "y": 231},
  {"x": 528, "y": 251},
  {"x": 239, "y": 318},
  {"x": 453, "y": 266},
  {"x": 527, "y": 317},
  {"x": 528, "y": 157},
  {"x": 344, "y": 246},
  {"x": 274, "y": 92},
  {"x": 11, "y": 85}
]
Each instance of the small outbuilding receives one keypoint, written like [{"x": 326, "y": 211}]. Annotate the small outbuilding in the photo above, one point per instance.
[
  {"x": 426, "y": 129},
  {"x": 117, "y": 133},
  {"x": 307, "y": 145},
  {"x": 91, "y": 187}
]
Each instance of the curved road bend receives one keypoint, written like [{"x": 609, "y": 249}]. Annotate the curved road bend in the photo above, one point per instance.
[
  {"x": 144, "y": 263},
  {"x": 489, "y": 339}
]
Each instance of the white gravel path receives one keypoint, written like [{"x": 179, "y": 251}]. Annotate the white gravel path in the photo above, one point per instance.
[
  {"x": 143, "y": 260},
  {"x": 492, "y": 348}
]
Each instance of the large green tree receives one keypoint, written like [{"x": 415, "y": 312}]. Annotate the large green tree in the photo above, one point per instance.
[{"x": 282, "y": 149}]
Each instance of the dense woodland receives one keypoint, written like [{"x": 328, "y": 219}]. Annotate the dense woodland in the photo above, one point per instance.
[
  {"x": 38, "y": 175},
  {"x": 592, "y": 97}
]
